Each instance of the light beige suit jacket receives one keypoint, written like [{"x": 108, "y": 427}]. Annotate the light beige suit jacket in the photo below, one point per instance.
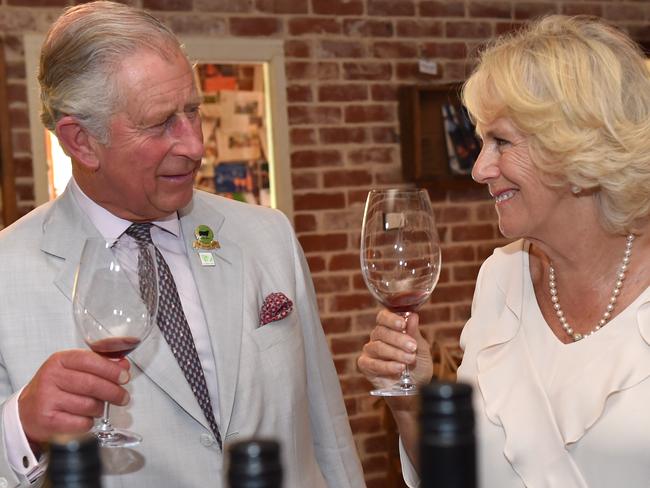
[{"x": 274, "y": 381}]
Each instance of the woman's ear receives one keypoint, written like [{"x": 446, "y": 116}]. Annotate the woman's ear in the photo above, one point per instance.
[{"x": 77, "y": 143}]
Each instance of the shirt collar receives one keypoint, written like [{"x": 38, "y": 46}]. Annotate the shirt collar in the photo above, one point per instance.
[{"x": 110, "y": 226}]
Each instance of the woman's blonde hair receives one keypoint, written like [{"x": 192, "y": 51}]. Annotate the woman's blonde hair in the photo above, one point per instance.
[
  {"x": 580, "y": 90},
  {"x": 81, "y": 53}
]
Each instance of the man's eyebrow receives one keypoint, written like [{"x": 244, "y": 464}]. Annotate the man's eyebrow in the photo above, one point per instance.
[{"x": 166, "y": 112}]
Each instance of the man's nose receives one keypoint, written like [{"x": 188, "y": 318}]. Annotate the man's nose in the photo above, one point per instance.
[{"x": 189, "y": 136}]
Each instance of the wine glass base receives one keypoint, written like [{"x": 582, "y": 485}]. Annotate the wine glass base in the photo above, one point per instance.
[
  {"x": 117, "y": 438},
  {"x": 395, "y": 390}
]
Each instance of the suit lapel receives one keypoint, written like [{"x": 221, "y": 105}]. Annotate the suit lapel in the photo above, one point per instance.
[
  {"x": 220, "y": 289},
  {"x": 65, "y": 229},
  {"x": 156, "y": 361}
]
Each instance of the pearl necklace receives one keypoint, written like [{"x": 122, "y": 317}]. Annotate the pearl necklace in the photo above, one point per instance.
[{"x": 620, "y": 276}]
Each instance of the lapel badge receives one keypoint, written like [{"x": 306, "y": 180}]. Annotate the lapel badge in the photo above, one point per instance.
[{"x": 204, "y": 238}]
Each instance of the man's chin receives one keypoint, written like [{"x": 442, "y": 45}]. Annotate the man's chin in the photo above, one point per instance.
[{"x": 179, "y": 203}]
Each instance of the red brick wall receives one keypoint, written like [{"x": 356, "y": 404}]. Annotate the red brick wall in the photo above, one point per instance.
[{"x": 345, "y": 60}]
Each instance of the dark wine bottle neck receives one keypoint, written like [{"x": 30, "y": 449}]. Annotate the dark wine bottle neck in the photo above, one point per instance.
[
  {"x": 74, "y": 463},
  {"x": 255, "y": 464},
  {"x": 447, "y": 443}
]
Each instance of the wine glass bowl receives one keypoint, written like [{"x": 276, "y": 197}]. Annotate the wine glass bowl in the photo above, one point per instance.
[
  {"x": 400, "y": 257},
  {"x": 115, "y": 302}
]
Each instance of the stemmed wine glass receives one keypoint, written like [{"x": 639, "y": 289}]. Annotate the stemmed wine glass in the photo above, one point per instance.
[
  {"x": 400, "y": 258},
  {"x": 115, "y": 302}
]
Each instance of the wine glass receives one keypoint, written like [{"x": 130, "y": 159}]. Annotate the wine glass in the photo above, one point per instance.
[
  {"x": 115, "y": 302},
  {"x": 400, "y": 258}
]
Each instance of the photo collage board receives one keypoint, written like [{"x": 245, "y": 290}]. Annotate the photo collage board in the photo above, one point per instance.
[{"x": 234, "y": 126}]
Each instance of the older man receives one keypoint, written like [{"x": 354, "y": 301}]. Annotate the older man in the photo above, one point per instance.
[{"x": 120, "y": 95}]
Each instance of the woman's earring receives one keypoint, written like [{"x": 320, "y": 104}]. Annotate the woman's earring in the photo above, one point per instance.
[{"x": 575, "y": 189}]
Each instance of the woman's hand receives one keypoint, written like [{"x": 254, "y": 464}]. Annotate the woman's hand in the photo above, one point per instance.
[
  {"x": 382, "y": 361},
  {"x": 389, "y": 349}
]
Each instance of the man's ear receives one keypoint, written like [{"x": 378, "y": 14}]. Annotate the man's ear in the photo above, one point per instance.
[{"x": 77, "y": 142}]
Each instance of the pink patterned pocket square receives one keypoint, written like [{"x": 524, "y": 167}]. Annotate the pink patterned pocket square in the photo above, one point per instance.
[{"x": 276, "y": 306}]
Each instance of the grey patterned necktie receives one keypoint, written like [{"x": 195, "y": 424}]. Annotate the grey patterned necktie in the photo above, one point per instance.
[{"x": 173, "y": 324}]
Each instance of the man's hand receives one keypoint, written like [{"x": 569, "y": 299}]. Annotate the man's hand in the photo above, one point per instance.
[
  {"x": 69, "y": 391},
  {"x": 389, "y": 349}
]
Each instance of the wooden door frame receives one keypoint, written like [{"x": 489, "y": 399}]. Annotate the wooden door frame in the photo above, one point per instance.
[{"x": 7, "y": 172}]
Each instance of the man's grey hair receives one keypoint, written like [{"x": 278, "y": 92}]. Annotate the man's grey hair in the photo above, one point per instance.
[{"x": 81, "y": 54}]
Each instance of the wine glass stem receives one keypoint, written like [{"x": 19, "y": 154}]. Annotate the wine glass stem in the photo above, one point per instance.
[
  {"x": 105, "y": 427},
  {"x": 405, "y": 380}
]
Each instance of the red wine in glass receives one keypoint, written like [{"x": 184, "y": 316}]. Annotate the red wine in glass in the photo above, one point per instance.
[
  {"x": 400, "y": 258},
  {"x": 115, "y": 347},
  {"x": 405, "y": 301}
]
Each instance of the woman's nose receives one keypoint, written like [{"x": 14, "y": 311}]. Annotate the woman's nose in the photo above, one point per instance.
[{"x": 485, "y": 168}]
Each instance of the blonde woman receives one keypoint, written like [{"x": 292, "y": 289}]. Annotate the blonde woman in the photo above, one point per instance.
[{"x": 558, "y": 343}]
